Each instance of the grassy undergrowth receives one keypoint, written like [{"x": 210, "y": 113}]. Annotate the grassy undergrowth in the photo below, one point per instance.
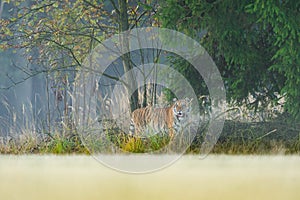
[
  {"x": 56, "y": 144},
  {"x": 278, "y": 136}
]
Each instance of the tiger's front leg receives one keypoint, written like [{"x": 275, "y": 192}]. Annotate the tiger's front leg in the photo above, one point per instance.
[
  {"x": 170, "y": 129},
  {"x": 171, "y": 133}
]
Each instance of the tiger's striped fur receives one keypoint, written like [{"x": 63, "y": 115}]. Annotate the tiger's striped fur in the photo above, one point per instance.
[{"x": 159, "y": 120}]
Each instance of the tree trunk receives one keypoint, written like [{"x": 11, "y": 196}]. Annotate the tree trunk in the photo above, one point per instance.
[
  {"x": 124, "y": 26},
  {"x": 1, "y": 8}
]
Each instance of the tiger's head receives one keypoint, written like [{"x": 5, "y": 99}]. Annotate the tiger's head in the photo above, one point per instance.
[{"x": 181, "y": 108}]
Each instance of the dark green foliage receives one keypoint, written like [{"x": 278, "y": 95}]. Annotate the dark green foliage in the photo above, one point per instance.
[{"x": 255, "y": 45}]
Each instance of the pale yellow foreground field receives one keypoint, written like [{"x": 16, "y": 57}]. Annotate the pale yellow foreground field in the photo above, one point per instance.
[{"x": 216, "y": 177}]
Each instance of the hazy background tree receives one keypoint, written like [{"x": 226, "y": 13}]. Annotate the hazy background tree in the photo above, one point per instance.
[{"x": 56, "y": 36}]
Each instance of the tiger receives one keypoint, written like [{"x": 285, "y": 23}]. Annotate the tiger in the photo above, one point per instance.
[{"x": 160, "y": 120}]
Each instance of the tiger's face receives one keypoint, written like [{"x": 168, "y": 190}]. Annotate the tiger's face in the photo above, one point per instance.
[{"x": 181, "y": 108}]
